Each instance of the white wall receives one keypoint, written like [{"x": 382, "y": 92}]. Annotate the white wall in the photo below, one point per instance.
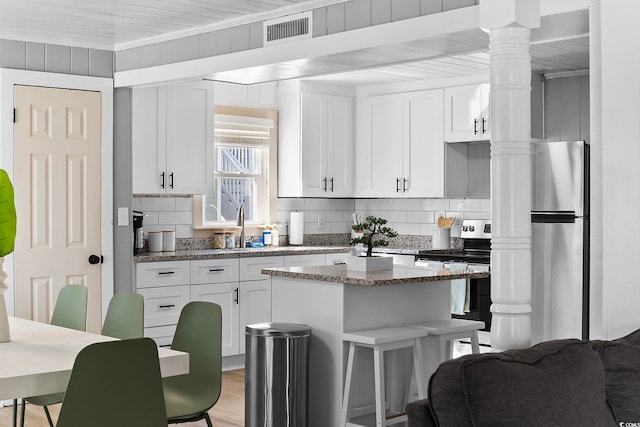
[{"x": 616, "y": 160}]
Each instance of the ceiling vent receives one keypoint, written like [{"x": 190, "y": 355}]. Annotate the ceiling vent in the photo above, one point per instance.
[{"x": 288, "y": 28}]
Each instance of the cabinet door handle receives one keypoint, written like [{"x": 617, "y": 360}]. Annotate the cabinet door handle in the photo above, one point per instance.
[
  {"x": 171, "y": 182},
  {"x": 397, "y": 185},
  {"x": 167, "y": 306},
  {"x": 484, "y": 121},
  {"x": 162, "y": 180},
  {"x": 475, "y": 126},
  {"x": 331, "y": 184},
  {"x": 215, "y": 270},
  {"x": 164, "y": 273},
  {"x": 324, "y": 184},
  {"x": 404, "y": 185},
  {"x": 237, "y": 297}
]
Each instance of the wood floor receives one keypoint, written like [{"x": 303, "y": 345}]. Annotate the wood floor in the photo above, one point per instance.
[{"x": 228, "y": 412}]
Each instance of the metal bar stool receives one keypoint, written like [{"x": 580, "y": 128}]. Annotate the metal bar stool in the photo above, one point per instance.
[
  {"x": 448, "y": 330},
  {"x": 382, "y": 340}
]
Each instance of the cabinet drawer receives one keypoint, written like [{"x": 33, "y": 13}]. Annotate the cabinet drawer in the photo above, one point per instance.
[
  {"x": 162, "y": 306},
  {"x": 215, "y": 271},
  {"x": 165, "y": 273},
  {"x": 337, "y": 258},
  {"x": 162, "y": 335},
  {"x": 300, "y": 260},
  {"x": 250, "y": 268}
]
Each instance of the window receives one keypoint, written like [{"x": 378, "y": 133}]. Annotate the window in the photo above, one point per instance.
[{"x": 244, "y": 169}]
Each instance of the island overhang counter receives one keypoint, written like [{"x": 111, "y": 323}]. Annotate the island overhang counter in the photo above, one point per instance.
[{"x": 332, "y": 300}]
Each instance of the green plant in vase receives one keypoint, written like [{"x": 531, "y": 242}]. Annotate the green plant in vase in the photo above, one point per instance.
[
  {"x": 373, "y": 231},
  {"x": 8, "y": 224}
]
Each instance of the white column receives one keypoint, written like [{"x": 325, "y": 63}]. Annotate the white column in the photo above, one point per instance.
[{"x": 509, "y": 23}]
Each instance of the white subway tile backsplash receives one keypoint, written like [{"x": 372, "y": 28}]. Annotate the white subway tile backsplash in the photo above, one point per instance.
[
  {"x": 184, "y": 231},
  {"x": 406, "y": 204},
  {"x": 381, "y": 204},
  {"x": 362, "y": 204},
  {"x": 343, "y": 204},
  {"x": 406, "y": 228},
  {"x": 175, "y": 217},
  {"x": 340, "y": 227},
  {"x": 469, "y": 205},
  {"x": 184, "y": 204},
  {"x": 420, "y": 217},
  {"x": 333, "y": 216},
  {"x": 394, "y": 216},
  {"x": 434, "y": 204},
  {"x": 406, "y": 216},
  {"x": 150, "y": 218},
  {"x": 290, "y": 204},
  {"x": 317, "y": 204}
]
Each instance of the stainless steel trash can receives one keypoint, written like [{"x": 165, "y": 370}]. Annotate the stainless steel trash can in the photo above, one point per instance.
[{"x": 276, "y": 375}]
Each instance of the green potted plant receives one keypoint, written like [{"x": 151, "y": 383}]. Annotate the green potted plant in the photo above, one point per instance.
[
  {"x": 371, "y": 233},
  {"x": 7, "y": 242}
]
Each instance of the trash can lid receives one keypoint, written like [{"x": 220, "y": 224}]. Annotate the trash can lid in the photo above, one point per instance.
[{"x": 278, "y": 330}]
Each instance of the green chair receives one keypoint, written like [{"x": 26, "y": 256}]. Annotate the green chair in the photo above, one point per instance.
[
  {"x": 115, "y": 383},
  {"x": 125, "y": 316},
  {"x": 199, "y": 333},
  {"x": 70, "y": 312}
]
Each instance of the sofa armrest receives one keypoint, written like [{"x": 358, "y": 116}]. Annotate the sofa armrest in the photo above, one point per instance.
[{"x": 419, "y": 414}]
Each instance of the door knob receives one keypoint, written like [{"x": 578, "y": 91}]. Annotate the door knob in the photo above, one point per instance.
[{"x": 95, "y": 259}]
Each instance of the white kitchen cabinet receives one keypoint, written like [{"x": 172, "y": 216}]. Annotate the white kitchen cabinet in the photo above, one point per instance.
[
  {"x": 316, "y": 142},
  {"x": 466, "y": 113},
  {"x": 255, "y": 292},
  {"x": 236, "y": 284},
  {"x": 400, "y": 145},
  {"x": 226, "y": 295},
  {"x": 302, "y": 260},
  {"x": 172, "y": 139},
  {"x": 164, "y": 273},
  {"x": 337, "y": 258}
]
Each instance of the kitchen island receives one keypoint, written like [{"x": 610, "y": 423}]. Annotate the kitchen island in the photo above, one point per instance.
[{"x": 333, "y": 300}]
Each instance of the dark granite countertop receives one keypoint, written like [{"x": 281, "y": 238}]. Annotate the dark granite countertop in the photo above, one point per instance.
[
  {"x": 398, "y": 276},
  {"x": 195, "y": 254}
]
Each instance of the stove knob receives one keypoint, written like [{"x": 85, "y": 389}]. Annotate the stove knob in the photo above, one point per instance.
[
  {"x": 465, "y": 228},
  {"x": 472, "y": 228}
]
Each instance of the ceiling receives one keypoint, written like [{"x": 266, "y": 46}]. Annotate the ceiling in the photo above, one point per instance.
[
  {"x": 561, "y": 44},
  {"x": 109, "y": 24}
]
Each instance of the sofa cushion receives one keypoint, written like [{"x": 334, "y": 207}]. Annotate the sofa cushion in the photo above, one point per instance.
[
  {"x": 555, "y": 383},
  {"x": 419, "y": 415},
  {"x": 621, "y": 362}
]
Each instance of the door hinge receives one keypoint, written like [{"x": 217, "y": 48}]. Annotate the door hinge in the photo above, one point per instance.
[{"x": 14, "y": 115}]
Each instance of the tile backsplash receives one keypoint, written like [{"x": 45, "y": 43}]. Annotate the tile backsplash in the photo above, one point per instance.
[{"x": 416, "y": 217}]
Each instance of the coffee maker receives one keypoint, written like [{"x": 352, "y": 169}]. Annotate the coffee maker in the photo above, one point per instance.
[{"x": 138, "y": 232}]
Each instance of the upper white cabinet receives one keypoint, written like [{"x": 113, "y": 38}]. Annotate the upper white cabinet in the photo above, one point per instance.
[
  {"x": 172, "y": 138},
  {"x": 315, "y": 148},
  {"x": 466, "y": 113},
  {"x": 400, "y": 145}
]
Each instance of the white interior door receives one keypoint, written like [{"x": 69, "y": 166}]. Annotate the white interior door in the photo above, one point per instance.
[{"x": 57, "y": 160}]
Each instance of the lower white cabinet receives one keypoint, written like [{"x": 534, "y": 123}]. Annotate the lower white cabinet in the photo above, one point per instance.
[
  {"x": 226, "y": 296},
  {"x": 301, "y": 260},
  {"x": 237, "y": 285}
]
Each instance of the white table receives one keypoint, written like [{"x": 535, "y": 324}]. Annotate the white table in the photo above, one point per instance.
[{"x": 39, "y": 358}]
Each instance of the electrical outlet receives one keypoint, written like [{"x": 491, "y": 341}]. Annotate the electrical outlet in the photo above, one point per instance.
[{"x": 322, "y": 223}]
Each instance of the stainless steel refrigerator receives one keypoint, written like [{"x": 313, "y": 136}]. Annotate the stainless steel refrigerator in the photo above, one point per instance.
[{"x": 560, "y": 240}]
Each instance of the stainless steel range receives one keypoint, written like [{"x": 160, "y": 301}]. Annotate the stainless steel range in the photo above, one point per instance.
[{"x": 476, "y": 253}]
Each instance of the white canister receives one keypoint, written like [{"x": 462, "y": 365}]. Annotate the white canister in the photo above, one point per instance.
[
  {"x": 168, "y": 241},
  {"x": 441, "y": 238},
  {"x": 155, "y": 241}
]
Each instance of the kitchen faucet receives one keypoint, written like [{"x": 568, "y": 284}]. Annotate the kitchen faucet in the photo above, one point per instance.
[{"x": 243, "y": 243}]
